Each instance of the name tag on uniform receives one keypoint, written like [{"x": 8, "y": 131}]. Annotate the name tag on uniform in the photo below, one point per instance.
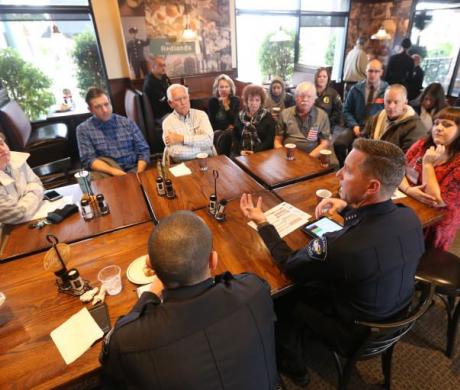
[{"x": 379, "y": 101}]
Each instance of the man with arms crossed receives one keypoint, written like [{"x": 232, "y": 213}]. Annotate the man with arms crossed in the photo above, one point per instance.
[
  {"x": 186, "y": 131},
  {"x": 364, "y": 271}
]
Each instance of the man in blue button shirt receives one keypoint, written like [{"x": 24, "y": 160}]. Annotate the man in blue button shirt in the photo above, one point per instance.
[{"x": 110, "y": 144}]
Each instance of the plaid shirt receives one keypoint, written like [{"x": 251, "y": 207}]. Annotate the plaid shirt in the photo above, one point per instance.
[{"x": 119, "y": 138}]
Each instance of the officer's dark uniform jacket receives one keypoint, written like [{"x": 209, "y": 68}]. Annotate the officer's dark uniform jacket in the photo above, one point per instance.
[
  {"x": 214, "y": 335},
  {"x": 156, "y": 91},
  {"x": 370, "y": 263}
]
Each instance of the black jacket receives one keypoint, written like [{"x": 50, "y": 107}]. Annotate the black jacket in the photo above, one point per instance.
[
  {"x": 265, "y": 131},
  {"x": 217, "y": 334},
  {"x": 229, "y": 118},
  {"x": 156, "y": 91},
  {"x": 400, "y": 68},
  {"x": 330, "y": 102},
  {"x": 369, "y": 265}
]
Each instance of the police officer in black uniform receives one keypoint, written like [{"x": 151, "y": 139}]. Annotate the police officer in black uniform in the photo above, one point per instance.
[
  {"x": 200, "y": 332},
  {"x": 364, "y": 271},
  {"x": 135, "y": 49}
]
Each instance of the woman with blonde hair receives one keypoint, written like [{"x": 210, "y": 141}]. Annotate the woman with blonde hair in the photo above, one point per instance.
[{"x": 223, "y": 107}]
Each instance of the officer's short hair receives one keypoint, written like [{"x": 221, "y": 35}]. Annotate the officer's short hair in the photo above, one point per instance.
[
  {"x": 179, "y": 249},
  {"x": 384, "y": 161}
]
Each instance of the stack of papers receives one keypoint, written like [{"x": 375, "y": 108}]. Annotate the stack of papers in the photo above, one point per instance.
[
  {"x": 285, "y": 218},
  {"x": 180, "y": 170},
  {"x": 75, "y": 336}
]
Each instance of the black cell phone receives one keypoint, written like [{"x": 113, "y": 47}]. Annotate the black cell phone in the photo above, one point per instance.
[
  {"x": 52, "y": 195},
  {"x": 319, "y": 227},
  {"x": 100, "y": 313}
]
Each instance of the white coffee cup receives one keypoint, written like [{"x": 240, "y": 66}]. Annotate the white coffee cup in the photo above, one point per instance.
[
  {"x": 323, "y": 194},
  {"x": 202, "y": 161}
]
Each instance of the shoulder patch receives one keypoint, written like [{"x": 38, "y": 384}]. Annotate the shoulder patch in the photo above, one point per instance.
[{"x": 317, "y": 249}]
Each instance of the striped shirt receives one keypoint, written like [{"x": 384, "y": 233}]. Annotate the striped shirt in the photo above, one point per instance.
[
  {"x": 119, "y": 138},
  {"x": 197, "y": 131}
]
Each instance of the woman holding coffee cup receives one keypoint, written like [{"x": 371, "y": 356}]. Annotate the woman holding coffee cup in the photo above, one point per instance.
[
  {"x": 278, "y": 99},
  {"x": 255, "y": 128},
  {"x": 328, "y": 99}
]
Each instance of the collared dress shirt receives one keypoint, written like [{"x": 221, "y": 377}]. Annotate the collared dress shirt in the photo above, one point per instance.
[
  {"x": 119, "y": 138},
  {"x": 197, "y": 131}
]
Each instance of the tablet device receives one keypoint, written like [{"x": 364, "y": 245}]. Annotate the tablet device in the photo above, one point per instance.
[{"x": 321, "y": 226}]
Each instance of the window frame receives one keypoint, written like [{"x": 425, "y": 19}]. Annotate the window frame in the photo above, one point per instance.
[
  {"x": 63, "y": 9},
  {"x": 299, "y": 14},
  {"x": 454, "y": 5}
]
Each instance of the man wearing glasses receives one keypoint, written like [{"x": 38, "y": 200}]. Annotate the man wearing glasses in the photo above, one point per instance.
[
  {"x": 364, "y": 100},
  {"x": 110, "y": 144}
]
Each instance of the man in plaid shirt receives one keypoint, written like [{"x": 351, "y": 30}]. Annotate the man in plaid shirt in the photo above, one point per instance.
[{"x": 109, "y": 143}]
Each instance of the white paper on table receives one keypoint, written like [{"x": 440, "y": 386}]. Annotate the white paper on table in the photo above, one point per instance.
[
  {"x": 141, "y": 289},
  {"x": 398, "y": 195},
  {"x": 75, "y": 336},
  {"x": 285, "y": 218},
  {"x": 180, "y": 170},
  {"x": 47, "y": 207}
]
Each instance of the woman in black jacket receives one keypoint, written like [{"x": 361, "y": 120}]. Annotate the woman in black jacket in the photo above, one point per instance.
[
  {"x": 255, "y": 128},
  {"x": 223, "y": 107},
  {"x": 328, "y": 98}
]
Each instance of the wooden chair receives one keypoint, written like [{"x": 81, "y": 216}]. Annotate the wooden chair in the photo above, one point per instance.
[
  {"x": 382, "y": 338},
  {"x": 443, "y": 270}
]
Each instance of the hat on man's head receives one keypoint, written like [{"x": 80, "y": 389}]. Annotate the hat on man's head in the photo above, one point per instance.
[{"x": 406, "y": 43}]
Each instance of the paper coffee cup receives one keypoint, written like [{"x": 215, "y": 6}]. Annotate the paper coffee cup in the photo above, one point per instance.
[
  {"x": 290, "y": 151},
  {"x": 323, "y": 194},
  {"x": 325, "y": 157}
]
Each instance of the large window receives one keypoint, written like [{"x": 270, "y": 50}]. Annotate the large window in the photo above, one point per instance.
[
  {"x": 272, "y": 35},
  {"x": 49, "y": 54},
  {"x": 435, "y": 32}
]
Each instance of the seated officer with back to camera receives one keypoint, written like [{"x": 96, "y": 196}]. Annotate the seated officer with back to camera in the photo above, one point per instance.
[
  {"x": 304, "y": 124},
  {"x": 199, "y": 332},
  {"x": 364, "y": 271},
  {"x": 397, "y": 122},
  {"x": 186, "y": 131},
  {"x": 110, "y": 144}
]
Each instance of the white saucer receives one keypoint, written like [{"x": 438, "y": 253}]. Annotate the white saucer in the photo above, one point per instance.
[{"x": 135, "y": 272}]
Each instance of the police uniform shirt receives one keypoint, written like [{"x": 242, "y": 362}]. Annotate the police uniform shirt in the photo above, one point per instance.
[{"x": 371, "y": 262}]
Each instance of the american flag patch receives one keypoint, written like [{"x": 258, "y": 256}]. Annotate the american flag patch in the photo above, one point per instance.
[{"x": 312, "y": 134}]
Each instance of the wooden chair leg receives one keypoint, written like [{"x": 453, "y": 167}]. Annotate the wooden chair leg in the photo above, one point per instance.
[
  {"x": 452, "y": 330},
  {"x": 386, "y": 366}
]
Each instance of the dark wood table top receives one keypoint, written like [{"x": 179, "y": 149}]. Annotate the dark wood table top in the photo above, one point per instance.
[
  {"x": 28, "y": 356},
  {"x": 240, "y": 247},
  {"x": 35, "y": 307},
  {"x": 193, "y": 191},
  {"x": 127, "y": 207},
  {"x": 273, "y": 170},
  {"x": 303, "y": 196}
]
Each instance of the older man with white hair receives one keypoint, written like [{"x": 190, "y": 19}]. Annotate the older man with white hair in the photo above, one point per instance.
[
  {"x": 186, "y": 131},
  {"x": 304, "y": 125}
]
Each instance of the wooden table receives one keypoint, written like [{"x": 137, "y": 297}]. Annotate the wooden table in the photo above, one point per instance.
[
  {"x": 28, "y": 356},
  {"x": 193, "y": 191},
  {"x": 35, "y": 307},
  {"x": 302, "y": 195},
  {"x": 127, "y": 207},
  {"x": 272, "y": 169},
  {"x": 240, "y": 247}
]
